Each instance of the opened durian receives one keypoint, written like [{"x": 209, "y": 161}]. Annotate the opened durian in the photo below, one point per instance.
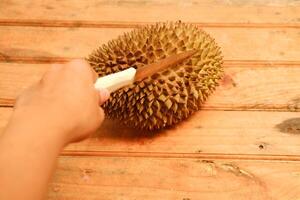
[{"x": 169, "y": 96}]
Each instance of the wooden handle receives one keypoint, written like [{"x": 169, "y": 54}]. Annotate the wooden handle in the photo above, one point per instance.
[{"x": 113, "y": 82}]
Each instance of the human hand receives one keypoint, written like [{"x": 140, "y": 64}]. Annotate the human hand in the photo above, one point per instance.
[{"x": 64, "y": 102}]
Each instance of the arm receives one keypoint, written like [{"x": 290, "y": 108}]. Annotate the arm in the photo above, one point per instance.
[{"x": 62, "y": 108}]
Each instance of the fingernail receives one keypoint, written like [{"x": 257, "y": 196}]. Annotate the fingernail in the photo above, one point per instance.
[{"x": 104, "y": 94}]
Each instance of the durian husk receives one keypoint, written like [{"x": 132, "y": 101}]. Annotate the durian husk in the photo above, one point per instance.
[{"x": 169, "y": 96}]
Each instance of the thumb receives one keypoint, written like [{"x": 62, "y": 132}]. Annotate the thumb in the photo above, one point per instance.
[{"x": 104, "y": 95}]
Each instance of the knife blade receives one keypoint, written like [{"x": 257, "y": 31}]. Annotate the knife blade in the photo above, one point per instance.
[{"x": 115, "y": 81}]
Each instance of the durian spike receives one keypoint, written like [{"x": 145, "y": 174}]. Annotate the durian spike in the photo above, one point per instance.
[{"x": 149, "y": 70}]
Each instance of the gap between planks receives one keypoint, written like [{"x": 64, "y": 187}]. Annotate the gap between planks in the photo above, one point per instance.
[
  {"x": 227, "y": 63},
  {"x": 9, "y": 103},
  {"x": 206, "y": 156},
  {"x": 115, "y": 24}
]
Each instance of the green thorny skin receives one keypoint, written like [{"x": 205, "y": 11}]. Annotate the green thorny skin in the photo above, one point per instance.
[{"x": 169, "y": 96}]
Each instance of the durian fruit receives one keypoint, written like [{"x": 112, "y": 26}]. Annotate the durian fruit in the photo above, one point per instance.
[{"x": 169, "y": 96}]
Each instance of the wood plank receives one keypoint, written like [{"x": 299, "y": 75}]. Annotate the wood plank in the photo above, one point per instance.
[
  {"x": 243, "y": 88},
  {"x": 154, "y": 10},
  {"x": 223, "y": 134},
  {"x": 144, "y": 178},
  {"x": 117, "y": 24},
  {"x": 60, "y": 43}
]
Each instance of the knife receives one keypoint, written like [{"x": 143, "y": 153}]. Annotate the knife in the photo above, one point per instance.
[{"x": 115, "y": 81}]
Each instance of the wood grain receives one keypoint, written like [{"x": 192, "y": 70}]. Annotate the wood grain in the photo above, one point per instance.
[
  {"x": 242, "y": 88},
  {"x": 112, "y": 24},
  {"x": 145, "y": 178},
  {"x": 207, "y": 134},
  {"x": 215, "y": 154},
  {"x": 245, "y": 12},
  {"x": 236, "y": 44}
]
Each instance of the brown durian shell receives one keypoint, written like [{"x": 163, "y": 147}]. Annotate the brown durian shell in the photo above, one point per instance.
[{"x": 169, "y": 96}]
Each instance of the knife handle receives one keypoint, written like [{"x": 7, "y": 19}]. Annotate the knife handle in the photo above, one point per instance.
[{"x": 115, "y": 81}]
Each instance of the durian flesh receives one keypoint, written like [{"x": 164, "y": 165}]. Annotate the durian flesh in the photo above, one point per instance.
[{"x": 169, "y": 96}]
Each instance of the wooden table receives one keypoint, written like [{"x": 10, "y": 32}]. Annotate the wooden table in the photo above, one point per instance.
[{"x": 244, "y": 144}]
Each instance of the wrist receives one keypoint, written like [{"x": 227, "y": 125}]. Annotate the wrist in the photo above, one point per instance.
[{"x": 37, "y": 129}]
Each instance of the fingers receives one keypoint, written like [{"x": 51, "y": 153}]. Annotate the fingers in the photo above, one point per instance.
[
  {"x": 101, "y": 117},
  {"x": 83, "y": 66},
  {"x": 103, "y": 95},
  {"x": 79, "y": 63},
  {"x": 74, "y": 69},
  {"x": 95, "y": 75},
  {"x": 51, "y": 72}
]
